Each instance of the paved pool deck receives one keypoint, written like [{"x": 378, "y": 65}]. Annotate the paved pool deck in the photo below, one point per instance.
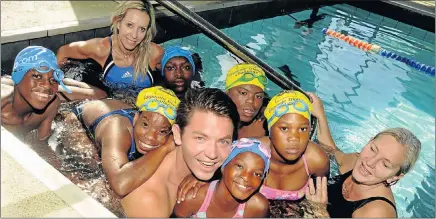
[{"x": 30, "y": 187}]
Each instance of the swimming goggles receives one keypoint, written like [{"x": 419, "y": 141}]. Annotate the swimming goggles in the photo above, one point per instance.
[
  {"x": 248, "y": 76},
  {"x": 283, "y": 108},
  {"x": 249, "y": 142},
  {"x": 42, "y": 67},
  {"x": 153, "y": 105}
]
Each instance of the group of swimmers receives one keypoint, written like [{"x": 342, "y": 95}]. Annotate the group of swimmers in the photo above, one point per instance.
[{"x": 201, "y": 152}]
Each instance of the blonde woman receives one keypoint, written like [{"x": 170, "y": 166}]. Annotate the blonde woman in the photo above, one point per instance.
[{"x": 127, "y": 57}]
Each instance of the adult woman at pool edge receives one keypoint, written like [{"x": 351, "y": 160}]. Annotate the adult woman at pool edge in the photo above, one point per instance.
[
  {"x": 363, "y": 188},
  {"x": 128, "y": 57}
]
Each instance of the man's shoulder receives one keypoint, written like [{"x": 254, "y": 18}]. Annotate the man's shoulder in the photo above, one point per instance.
[
  {"x": 145, "y": 203},
  {"x": 145, "y": 193}
]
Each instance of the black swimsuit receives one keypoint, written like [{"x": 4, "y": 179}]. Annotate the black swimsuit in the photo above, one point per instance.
[{"x": 338, "y": 207}]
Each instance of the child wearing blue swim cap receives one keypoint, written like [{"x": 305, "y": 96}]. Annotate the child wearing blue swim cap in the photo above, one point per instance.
[
  {"x": 237, "y": 190},
  {"x": 179, "y": 70},
  {"x": 33, "y": 103}
]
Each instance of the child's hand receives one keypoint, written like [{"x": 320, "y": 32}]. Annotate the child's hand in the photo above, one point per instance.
[
  {"x": 170, "y": 145},
  {"x": 318, "y": 107},
  {"x": 319, "y": 194},
  {"x": 188, "y": 183}
]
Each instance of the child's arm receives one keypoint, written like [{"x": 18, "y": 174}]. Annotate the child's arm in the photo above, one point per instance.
[
  {"x": 257, "y": 207},
  {"x": 191, "y": 205},
  {"x": 124, "y": 176},
  {"x": 44, "y": 129}
]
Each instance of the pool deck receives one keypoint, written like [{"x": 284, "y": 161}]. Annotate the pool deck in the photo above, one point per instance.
[
  {"x": 30, "y": 187},
  {"x": 70, "y": 16},
  {"x": 73, "y": 16}
]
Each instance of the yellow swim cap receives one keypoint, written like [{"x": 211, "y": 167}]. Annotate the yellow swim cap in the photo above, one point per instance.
[
  {"x": 287, "y": 101},
  {"x": 160, "y": 100},
  {"x": 246, "y": 73}
]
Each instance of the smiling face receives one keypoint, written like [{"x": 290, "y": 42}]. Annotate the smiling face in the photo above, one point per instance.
[
  {"x": 248, "y": 98},
  {"x": 133, "y": 28},
  {"x": 38, "y": 89},
  {"x": 178, "y": 74},
  {"x": 379, "y": 161},
  {"x": 243, "y": 174},
  {"x": 290, "y": 136},
  {"x": 151, "y": 130},
  {"x": 205, "y": 141}
]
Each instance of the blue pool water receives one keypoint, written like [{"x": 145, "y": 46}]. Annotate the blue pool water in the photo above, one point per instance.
[{"x": 363, "y": 93}]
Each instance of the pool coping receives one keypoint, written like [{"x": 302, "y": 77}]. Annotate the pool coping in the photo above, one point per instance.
[
  {"x": 10, "y": 36},
  {"x": 221, "y": 14},
  {"x": 408, "y": 12},
  {"x": 57, "y": 183}
]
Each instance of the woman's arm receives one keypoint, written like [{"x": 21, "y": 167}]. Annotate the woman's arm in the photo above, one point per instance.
[
  {"x": 124, "y": 176},
  {"x": 323, "y": 133},
  {"x": 325, "y": 139},
  {"x": 94, "y": 48},
  {"x": 345, "y": 161}
]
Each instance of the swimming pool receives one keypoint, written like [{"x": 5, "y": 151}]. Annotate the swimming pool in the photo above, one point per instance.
[{"x": 363, "y": 93}]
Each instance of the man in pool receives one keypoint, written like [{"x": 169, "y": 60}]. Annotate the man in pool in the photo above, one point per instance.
[
  {"x": 179, "y": 70},
  {"x": 202, "y": 146},
  {"x": 132, "y": 142},
  {"x": 32, "y": 103}
]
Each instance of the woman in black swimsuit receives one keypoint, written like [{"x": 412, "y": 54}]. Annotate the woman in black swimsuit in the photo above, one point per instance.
[{"x": 363, "y": 188}]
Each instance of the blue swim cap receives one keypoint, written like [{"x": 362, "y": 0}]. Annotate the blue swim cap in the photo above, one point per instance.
[
  {"x": 174, "y": 51},
  {"x": 39, "y": 58},
  {"x": 252, "y": 145}
]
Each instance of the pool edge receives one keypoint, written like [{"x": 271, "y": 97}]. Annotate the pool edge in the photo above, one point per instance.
[{"x": 57, "y": 183}]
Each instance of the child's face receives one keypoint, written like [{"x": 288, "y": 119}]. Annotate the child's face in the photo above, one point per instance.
[
  {"x": 151, "y": 131},
  {"x": 178, "y": 73},
  {"x": 38, "y": 89},
  {"x": 290, "y": 136},
  {"x": 248, "y": 98},
  {"x": 243, "y": 174}
]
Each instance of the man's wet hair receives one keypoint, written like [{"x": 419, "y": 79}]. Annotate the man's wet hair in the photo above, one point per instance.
[{"x": 207, "y": 100}]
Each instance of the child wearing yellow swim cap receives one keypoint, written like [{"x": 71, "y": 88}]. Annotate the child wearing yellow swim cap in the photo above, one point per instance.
[
  {"x": 160, "y": 100},
  {"x": 285, "y": 102},
  {"x": 133, "y": 141},
  {"x": 288, "y": 115},
  {"x": 245, "y": 85}
]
